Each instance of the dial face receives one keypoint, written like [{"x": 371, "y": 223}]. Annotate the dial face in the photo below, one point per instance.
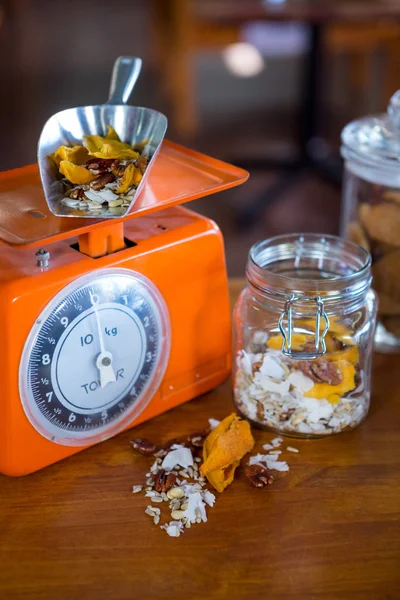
[{"x": 95, "y": 356}]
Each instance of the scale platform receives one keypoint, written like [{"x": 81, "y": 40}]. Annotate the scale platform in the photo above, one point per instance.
[{"x": 179, "y": 175}]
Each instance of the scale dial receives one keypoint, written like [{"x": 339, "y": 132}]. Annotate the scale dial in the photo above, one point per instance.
[{"x": 94, "y": 357}]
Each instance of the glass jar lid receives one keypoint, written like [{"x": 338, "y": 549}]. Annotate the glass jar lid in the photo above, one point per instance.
[{"x": 372, "y": 145}]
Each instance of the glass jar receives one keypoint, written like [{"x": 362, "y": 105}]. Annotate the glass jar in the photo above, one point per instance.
[
  {"x": 303, "y": 335},
  {"x": 371, "y": 209}
]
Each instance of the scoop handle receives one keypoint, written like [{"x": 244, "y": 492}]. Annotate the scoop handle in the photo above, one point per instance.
[{"x": 124, "y": 76}]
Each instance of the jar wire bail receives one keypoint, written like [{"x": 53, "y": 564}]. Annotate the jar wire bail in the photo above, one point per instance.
[{"x": 320, "y": 346}]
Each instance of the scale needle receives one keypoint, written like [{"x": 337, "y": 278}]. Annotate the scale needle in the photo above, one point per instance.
[{"x": 104, "y": 359}]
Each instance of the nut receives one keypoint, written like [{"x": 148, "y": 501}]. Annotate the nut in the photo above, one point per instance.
[
  {"x": 117, "y": 168},
  {"x": 164, "y": 481},
  {"x": 143, "y": 446},
  {"x": 177, "y": 514},
  {"x": 258, "y": 476},
  {"x": 321, "y": 370},
  {"x": 197, "y": 439},
  {"x": 163, "y": 451},
  {"x": 141, "y": 164},
  {"x": 101, "y": 181},
  {"x": 326, "y": 371},
  {"x": 77, "y": 194},
  {"x": 175, "y": 492},
  {"x": 98, "y": 165},
  {"x": 184, "y": 506}
]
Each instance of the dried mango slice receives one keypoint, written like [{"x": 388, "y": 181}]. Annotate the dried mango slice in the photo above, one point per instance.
[
  {"x": 110, "y": 150},
  {"x": 298, "y": 341},
  {"x": 77, "y": 155},
  {"x": 334, "y": 399},
  {"x": 350, "y": 354},
  {"x": 223, "y": 449},
  {"x": 112, "y": 134},
  {"x": 101, "y": 147},
  {"x": 131, "y": 176},
  {"x": 324, "y": 390},
  {"x": 75, "y": 174}
]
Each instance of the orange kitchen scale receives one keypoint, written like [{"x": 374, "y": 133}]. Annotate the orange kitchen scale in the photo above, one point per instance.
[{"x": 107, "y": 323}]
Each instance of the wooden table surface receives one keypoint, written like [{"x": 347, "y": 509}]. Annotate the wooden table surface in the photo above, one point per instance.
[{"x": 327, "y": 530}]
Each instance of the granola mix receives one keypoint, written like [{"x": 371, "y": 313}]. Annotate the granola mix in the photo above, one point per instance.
[
  {"x": 305, "y": 397},
  {"x": 101, "y": 173}
]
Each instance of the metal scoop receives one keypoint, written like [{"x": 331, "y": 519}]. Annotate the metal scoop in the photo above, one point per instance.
[{"x": 67, "y": 128}]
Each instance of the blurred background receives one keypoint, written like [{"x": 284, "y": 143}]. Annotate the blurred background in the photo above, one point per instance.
[{"x": 267, "y": 85}]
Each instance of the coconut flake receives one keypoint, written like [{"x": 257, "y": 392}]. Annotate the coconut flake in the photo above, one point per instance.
[
  {"x": 316, "y": 409},
  {"x": 301, "y": 381},
  {"x": 244, "y": 361},
  {"x": 181, "y": 456},
  {"x": 268, "y": 447},
  {"x": 213, "y": 423},
  {"x": 153, "y": 468},
  {"x": 208, "y": 498},
  {"x": 108, "y": 195},
  {"x": 270, "y": 461},
  {"x": 174, "y": 528},
  {"x": 196, "y": 508},
  {"x": 94, "y": 196},
  {"x": 271, "y": 368},
  {"x": 276, "y": 442},
  {"x": 270, "y": 385}
]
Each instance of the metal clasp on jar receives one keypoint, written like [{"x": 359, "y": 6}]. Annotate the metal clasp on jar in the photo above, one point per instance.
[{"x": 320, "y": 346}]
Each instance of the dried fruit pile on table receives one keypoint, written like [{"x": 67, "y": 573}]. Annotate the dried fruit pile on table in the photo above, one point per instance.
[
  {"x": 308, "y": 397},
  {"x": 103, "y": 172},
  {"x": 376, "y": 227},
  {"x": 179, "y": 476}
]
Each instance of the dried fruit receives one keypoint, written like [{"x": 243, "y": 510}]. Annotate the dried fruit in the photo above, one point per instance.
[
  {"x": 75, "y": 173},
  {"x": 258, "y": 476},
  {"x": 164, "y": 481},
  {"x": 143, "y": 446},
  {"x": 132, "y": 176},
  {"x": 323, "y": 390},
  {"x": 76, "y": 155},
  {"x": 112, "y": 134},
  {"x": 223, "y": 449}
]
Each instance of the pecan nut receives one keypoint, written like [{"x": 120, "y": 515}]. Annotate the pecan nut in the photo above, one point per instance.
[
  {"x": 101, "y": 181},
  {"x": 258, "y": 476},
  {"x": 163, "y": 451},
  {"x": 164, "y": 481},
  {"x": 141, "y": 164},
  {"x": 321, "y": 371},
  {"x": 326, "y": 371},
  {"x": 143, "y": 446},
  {"x": 77, "y": 194},
  {"x": 98, "y": 165},
  {"x": 197, "y": 439},
  {"x": 117, "y": 168}
]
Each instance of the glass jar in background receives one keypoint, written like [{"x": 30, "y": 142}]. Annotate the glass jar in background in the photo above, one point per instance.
[
  {"x": 303, "y": 335},
  {"x": 371, "y": 209}
]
